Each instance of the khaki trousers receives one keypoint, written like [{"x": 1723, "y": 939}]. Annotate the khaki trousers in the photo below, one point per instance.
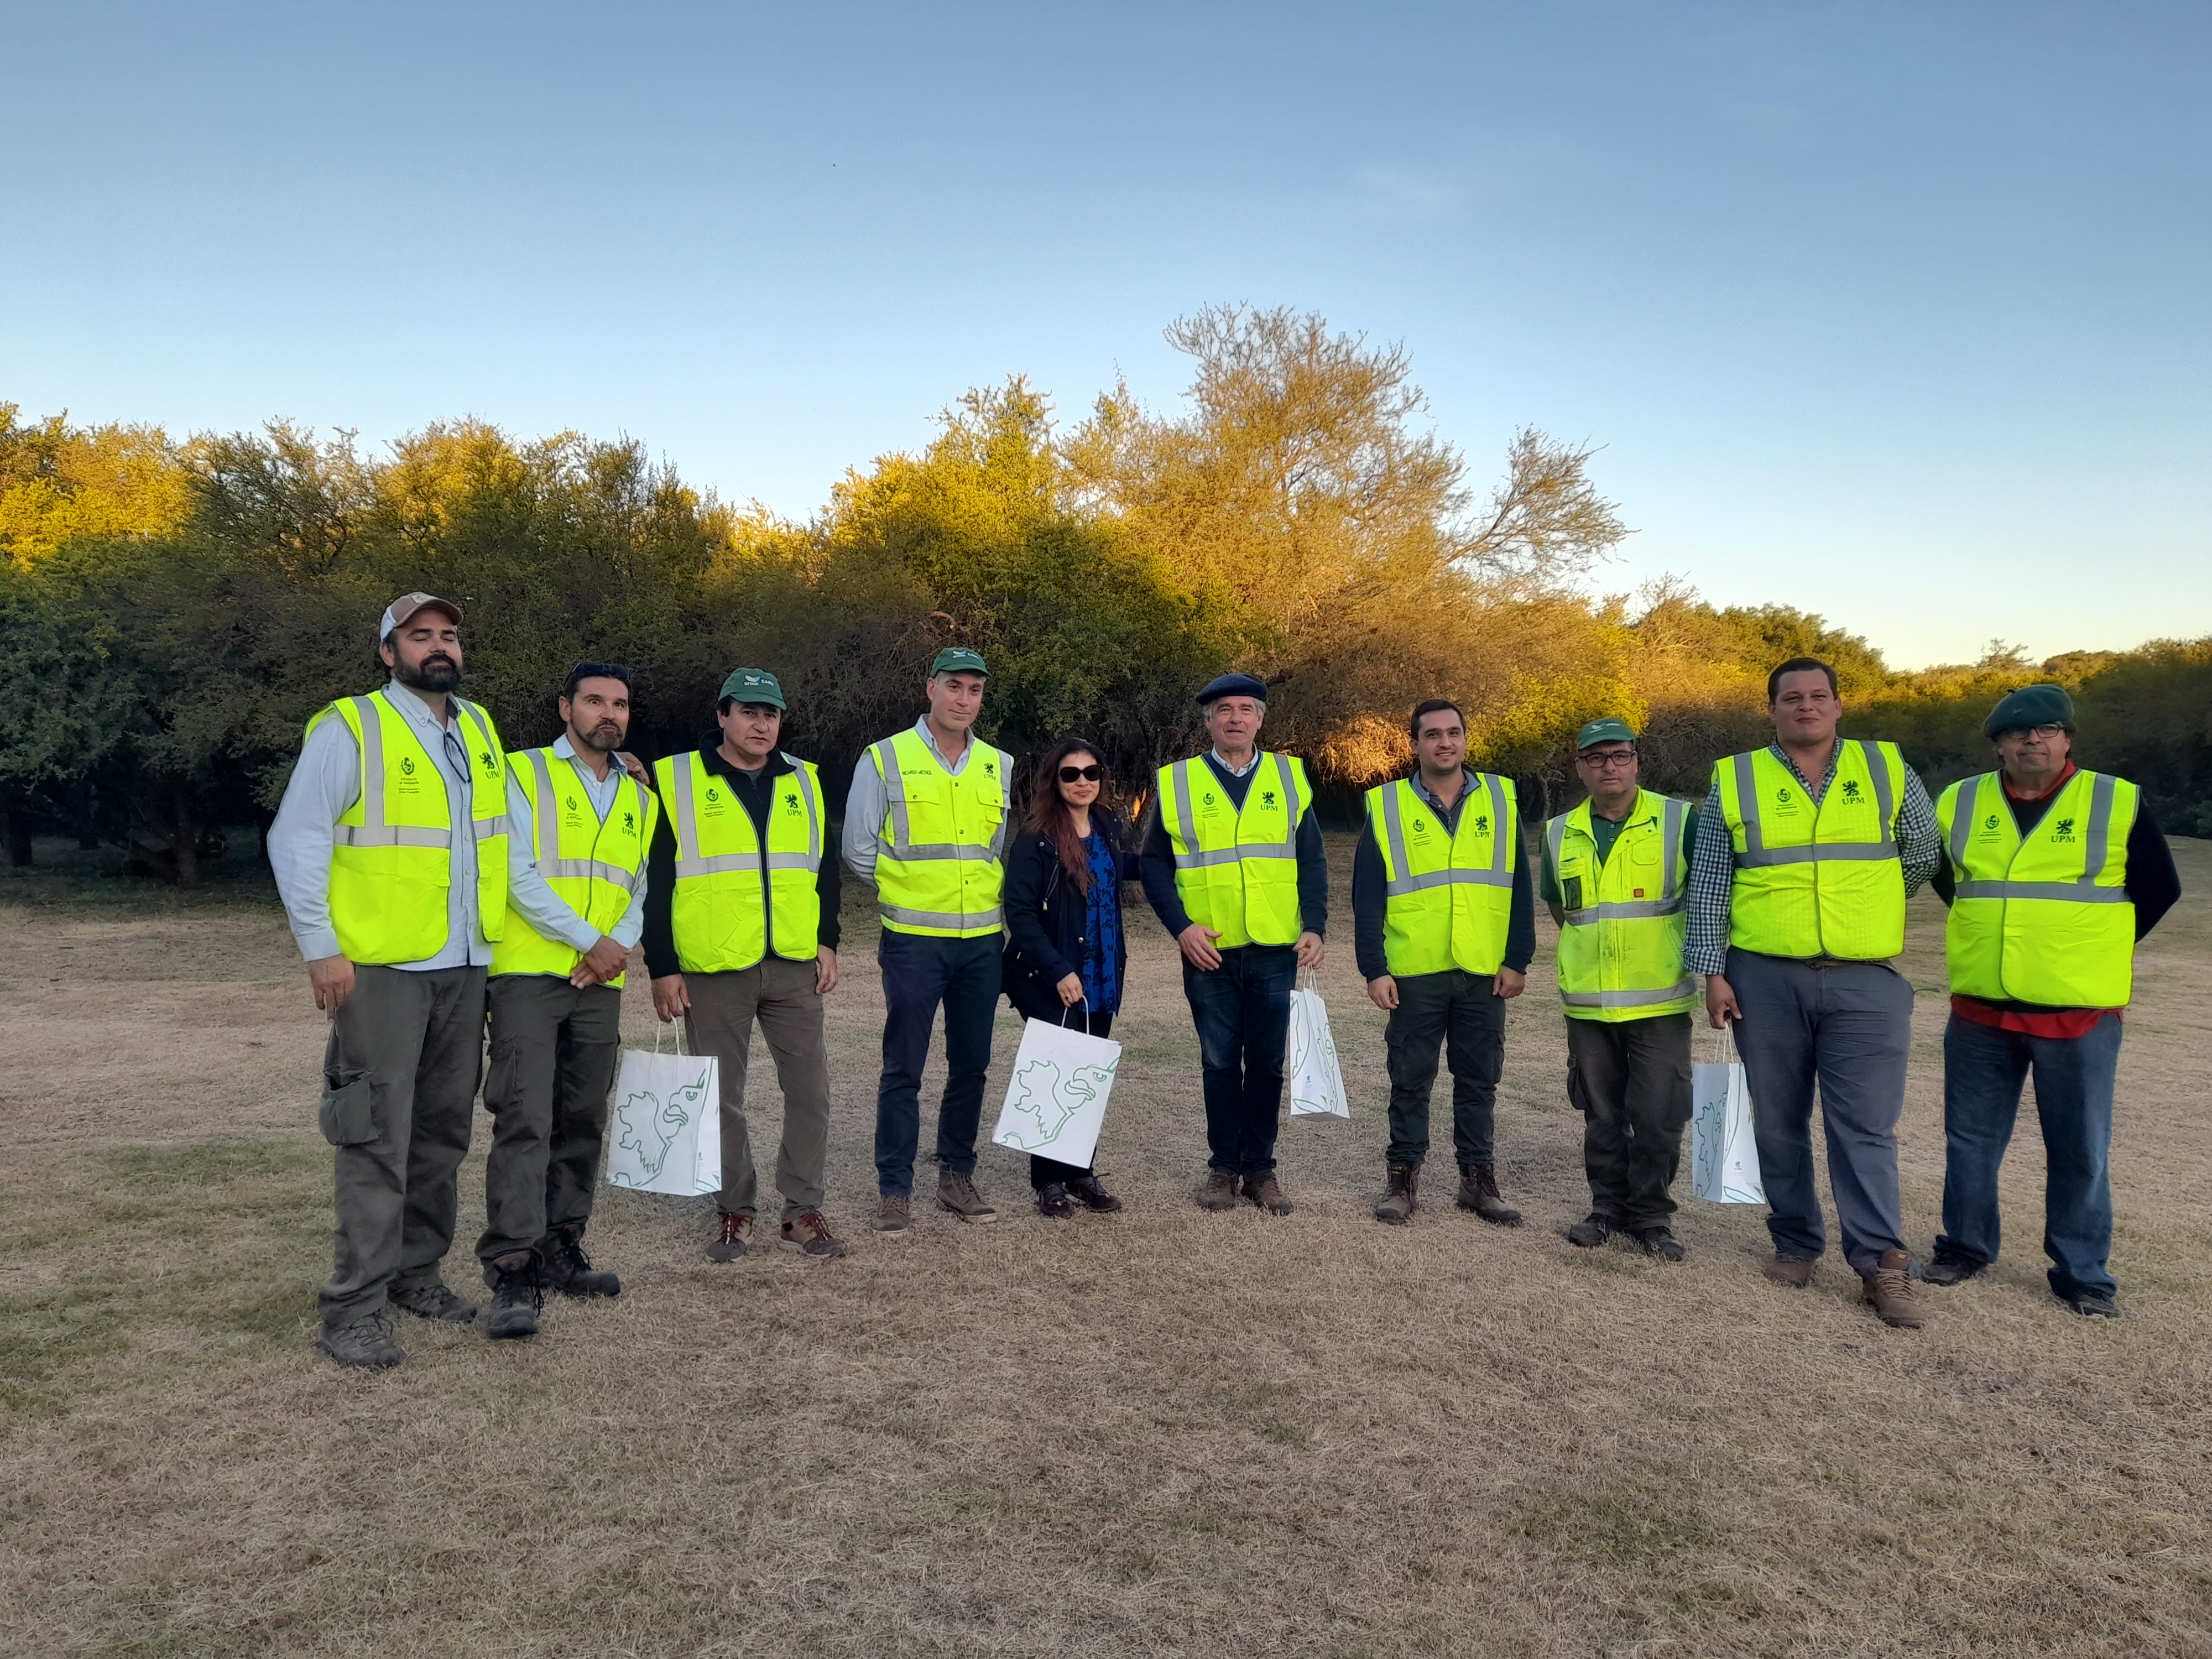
[
  {"x": 553, "y": 1054},
  {"x": 400, "y": 1080},
  {"x": 781, "y": 997}
]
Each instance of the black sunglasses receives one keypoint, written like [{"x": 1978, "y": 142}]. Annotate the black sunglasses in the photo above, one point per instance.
[{"x": 1090, "y": 773}]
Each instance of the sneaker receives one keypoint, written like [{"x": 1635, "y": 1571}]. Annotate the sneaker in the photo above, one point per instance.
[
  {"x": 1401, "y": 1186},
  {"x": 1268, "y": 1193},
  {"x": 893, "y": 1213},
  {"x": 1661, "y": 1241},
  {"x": 1945, "y": 1268},
  {"x": 517, "y": 1298},
  {"x": 1478, "y": 1191},
  {"x": 1889, "y": 1290},
  {"x": 1052, "y": 1200},
  {"x": 1793, "y": 1271},
  {"x": 1589, "y": 1233},
  {"x": 570, "y": 1270},
  {"x": 1093, "y": 1197},
  {"x": 433, "y": 1300},
  {"x": 958, "y": 1194},
  {"x": 2092, "y": 1304},
  {"x": 364, "y": 1343},
  {"x": 1220, "y": 1192},
  {"x": 732, "y": 1241},
  {"x": 808, "y": 1234}
]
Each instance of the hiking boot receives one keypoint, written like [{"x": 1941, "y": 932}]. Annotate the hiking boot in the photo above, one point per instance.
[
  {"x": 1093, "y": 1197},
  {"x": 364, "y": 1344},
  {"x": 1052, "y": 1200},
  {"x": 808, "y": 1234},
  {"x": 958, "y": 1194},
  {"x": 517, "y": 1298},
  {"x": 1661, "y": 1241},
  {"x": 433, "y": 1300},
  {"x": 735, "y": 1238},
  {"x": 1793, "y": 1271},
  {"x": 1220, "y": 1192},
  {"x": 1946, "y": 1268},
  {"x": 1591, "y": 1232},
  {"x": 570, "y": 1270},
  {"x": 893, "y": 1213},
  {"x": 2091, "y": 1304},
  {"x": 1478, "y": 1191},
  {"x": 1403, "y": 1182},
  {"x": 1889, "y": 1290},
  {"x": 1268, "y": 1193}
]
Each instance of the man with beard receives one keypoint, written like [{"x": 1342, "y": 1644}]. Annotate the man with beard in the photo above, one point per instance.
[
  {"x": 580, "y": 827},
  {"x": 389, "y": 849}
]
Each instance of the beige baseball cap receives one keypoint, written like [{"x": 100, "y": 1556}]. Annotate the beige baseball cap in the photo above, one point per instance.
[{"x": 397, "y": 613}]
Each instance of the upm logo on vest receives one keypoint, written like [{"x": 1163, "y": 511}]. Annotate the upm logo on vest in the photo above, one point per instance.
[
  {"x": 1268, "y": 798},
  {"x": 490, "y": 766},
  {"x": 2062, "y": 830},
  {"x": 791, "y": 801},
  {"x": 1481, "y": 825},
  {"x": 1851, "y": 789},
  {"x": 630, "y": 823}
]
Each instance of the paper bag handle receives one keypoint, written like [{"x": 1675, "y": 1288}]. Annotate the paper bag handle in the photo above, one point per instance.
[
  {"x": 1728, "y": 1056},
  {"x": 1067, "y": 1008},
  {"x": 660, "y": 1026}
]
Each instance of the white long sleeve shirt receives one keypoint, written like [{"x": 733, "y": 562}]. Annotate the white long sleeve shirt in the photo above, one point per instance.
[{"x": 533, "y": 898}]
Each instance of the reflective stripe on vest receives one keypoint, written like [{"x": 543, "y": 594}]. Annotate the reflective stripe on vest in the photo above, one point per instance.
[
  {"x": 1816, "y": 877},
  {"x": 2014, "y": 933},
  {"x": 1237, "y": 873},
  {"x": 930, "y": 876},
  {"x": 1622, "y": 958},
  {"x": 1447, "y": 900},
  {"x": 729, "y": 906},
  {"x": 597, "y": 889},
  {"x": 389, "y": 881}
]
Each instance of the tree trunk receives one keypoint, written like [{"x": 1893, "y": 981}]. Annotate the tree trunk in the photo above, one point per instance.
[
  {"x": 19, "y": 837},
  {"x": 186, "y": 832}
]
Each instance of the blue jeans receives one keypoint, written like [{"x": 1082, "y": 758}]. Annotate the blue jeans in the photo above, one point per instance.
[
  {"x": 1847, "y": 1027},
  {"x": 1242, "y": 1012},
  {"x": 921, "y": 971},
  {"x": 1983, "y": 1071}
]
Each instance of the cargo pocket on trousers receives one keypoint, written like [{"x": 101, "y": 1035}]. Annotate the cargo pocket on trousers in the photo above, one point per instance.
[{"x": 348, "y": 1114}]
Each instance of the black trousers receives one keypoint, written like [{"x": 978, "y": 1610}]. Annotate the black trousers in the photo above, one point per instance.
[
  {"x": 1457, "y": 1012},
  {"x": 1630, "y": 1078},
  {"x": 1045, "y": 1170}
]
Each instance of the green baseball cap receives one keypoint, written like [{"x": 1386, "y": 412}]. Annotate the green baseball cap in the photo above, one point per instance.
[
  {"x": 753, "y": 685},
  {"x": 958, "y": 660},
  {"x": 1609, "y": 730}
]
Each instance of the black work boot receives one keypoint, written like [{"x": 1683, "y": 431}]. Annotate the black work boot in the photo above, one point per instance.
[
  {"x": 1590, "y": 1232},
  {"x": 363, "y": 1343},
  {"x": 517, "y": 1296},
  {"x": 570, "y": 1270},
  {"x": 1478, "y": 1191},
  {"x": 1400, "y": 1195}
]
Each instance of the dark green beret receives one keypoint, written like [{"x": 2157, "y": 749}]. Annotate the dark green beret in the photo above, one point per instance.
[
  {"x": 2032, "y": 705},
  {"x": 1233, "y": 685}
]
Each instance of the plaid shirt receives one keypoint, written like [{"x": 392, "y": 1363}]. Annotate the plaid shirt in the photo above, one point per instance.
[{"x": 1712, "y": 860}]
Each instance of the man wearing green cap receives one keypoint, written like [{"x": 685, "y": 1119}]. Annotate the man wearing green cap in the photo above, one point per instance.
[
  {"x": 927, "y": 821},
  {"x": 2052, "y": 874},
  {"x": 741, "y": 925},
  {"x": 1615, "y": 870}
]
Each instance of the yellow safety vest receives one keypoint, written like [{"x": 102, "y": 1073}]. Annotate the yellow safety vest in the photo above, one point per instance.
[
  {"x": 1447, "y": 899},
  {"x": 1816, "y": 879},
  {"x": 728, "y": 897},
  {"x": 1237, "y": 869},
  {"x": 391, "y": 864},
  {"x": 2046, "y": 920},
  {"x": 589, "y": 864},
  {"x": 939, "y": 873},
  {"x": 1620, "y": 948}
]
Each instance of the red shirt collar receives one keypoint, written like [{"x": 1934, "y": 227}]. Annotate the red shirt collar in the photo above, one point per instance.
[{"x": 2064, "y": 778}]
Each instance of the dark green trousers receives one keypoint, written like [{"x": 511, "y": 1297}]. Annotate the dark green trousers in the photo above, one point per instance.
[
  {"x": 553, "y": 1053},
  {"x": 1632, "y": 1079}
]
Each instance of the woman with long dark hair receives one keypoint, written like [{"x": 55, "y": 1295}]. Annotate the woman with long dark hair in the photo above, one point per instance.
[{"x": 1066, "y": 953}]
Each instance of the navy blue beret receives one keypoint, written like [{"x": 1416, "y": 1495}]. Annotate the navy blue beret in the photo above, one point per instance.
[{"x": 1233, "y": 685}]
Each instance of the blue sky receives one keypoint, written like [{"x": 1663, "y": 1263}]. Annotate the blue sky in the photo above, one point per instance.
[{"x": 1897, "y": 313}]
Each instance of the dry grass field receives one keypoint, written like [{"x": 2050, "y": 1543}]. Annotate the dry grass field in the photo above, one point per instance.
[{"x": 1162, "y": 1433}]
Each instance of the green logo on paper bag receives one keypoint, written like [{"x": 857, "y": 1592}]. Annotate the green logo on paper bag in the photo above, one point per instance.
[{"x": 648, "y": 1125}]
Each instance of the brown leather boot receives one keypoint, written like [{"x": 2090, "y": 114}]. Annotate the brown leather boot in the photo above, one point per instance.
[
  {"x": 1478, "y": 1191},
  {"x": 1889, "y": 1288},
  {"x": 1268, "y": 1193},
  {"x": 1220, "y": 1192},
  {"x": 1398, "y": 1199},
  {"x": 1793, "y": 1271}
]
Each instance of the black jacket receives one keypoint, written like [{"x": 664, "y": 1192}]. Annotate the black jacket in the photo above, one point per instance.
[{"x": 1046, "y": 916}]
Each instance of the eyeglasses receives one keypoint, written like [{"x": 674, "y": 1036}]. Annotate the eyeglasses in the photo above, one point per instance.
[
  {"x": 1090, "y": 773},
  {"x": 2040, "y": 734},
  {"x": 1613, "y": 760}
]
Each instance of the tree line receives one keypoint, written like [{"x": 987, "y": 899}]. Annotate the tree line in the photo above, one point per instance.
[{"x": 172, "y": 611}]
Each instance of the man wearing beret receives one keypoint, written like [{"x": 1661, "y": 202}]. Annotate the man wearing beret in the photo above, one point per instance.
[
  {"x": 2052, "y": 874},
  {"x": 1233, "y": 866},
  {"x": 1616, "y": 869},
  {"x": 741, "y": 926},
  {"x": 927, "y": 821}
]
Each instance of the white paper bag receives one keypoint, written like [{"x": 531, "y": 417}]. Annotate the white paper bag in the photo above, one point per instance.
[
  {"x": 666, "y": 1134},
  {"x": 1056, "y": 1097},
  {"x": 1309, "y": 1064},
  {"x": 1723, "y": 1153}
]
